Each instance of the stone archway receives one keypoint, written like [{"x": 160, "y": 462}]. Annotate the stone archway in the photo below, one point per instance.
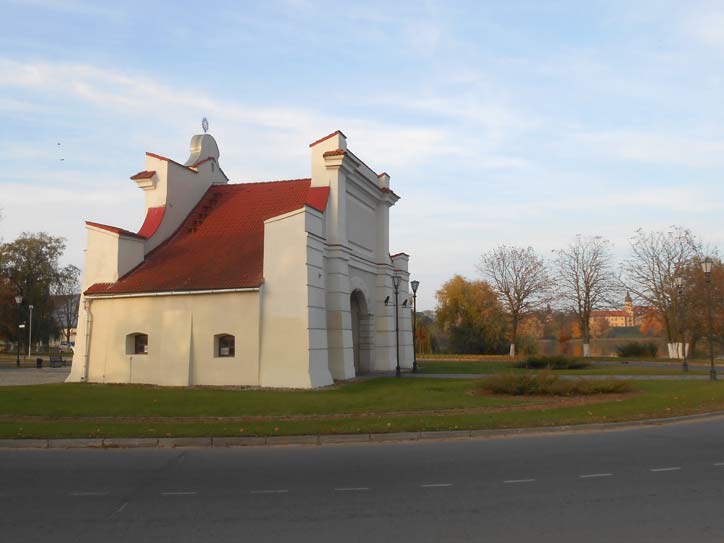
[{"x": 361, "y": 334}]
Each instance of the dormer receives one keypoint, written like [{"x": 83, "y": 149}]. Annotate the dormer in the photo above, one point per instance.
[{"x": 173, "y": 189}]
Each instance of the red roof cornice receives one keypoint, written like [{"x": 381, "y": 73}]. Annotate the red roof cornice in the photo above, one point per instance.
[
  {"x": 146, "y": 174},
  {"x": 114, "y": 229},
  {"x": 317, "y": 198},
  {"x": 159, "y": 157},
  {"x": 335, "y": 133}
]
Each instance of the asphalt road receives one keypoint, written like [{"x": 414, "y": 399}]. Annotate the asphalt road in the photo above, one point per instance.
[{"x": 654, "y": 484}]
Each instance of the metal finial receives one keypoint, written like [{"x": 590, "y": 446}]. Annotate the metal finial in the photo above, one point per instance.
[{"x": 205, "y": 125}]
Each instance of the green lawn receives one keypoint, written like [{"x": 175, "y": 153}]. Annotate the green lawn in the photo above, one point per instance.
[{"x": 379, "y": 405}]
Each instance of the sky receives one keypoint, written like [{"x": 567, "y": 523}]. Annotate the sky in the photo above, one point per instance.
[{"x": 513, "y": 122}]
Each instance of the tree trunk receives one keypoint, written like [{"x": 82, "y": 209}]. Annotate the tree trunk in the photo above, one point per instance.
[
  {"x": 586, "y": 339},
  {"x": 514, "y": 335}
]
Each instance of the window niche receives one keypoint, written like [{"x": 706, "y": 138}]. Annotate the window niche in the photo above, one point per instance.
[
  {"x": 137, "y": 343},
  {"x": 224, "y": 346}
]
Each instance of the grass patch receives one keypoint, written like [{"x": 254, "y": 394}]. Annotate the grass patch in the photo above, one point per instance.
[
  {"x": 370, "y": 396},
  {"x": 546, "y": 384},
  {"x": 379, "y": 405}
]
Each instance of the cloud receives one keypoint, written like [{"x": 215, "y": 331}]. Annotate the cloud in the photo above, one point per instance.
[
  {"x": 707, "y": 27},
  {"x": 653, "y": 148},
  {"x": 74, "y": 7},
  {"x": 248, "y": 124}
]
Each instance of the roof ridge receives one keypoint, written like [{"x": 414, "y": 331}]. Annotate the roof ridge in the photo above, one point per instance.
[{"x": 241, "y": 183}]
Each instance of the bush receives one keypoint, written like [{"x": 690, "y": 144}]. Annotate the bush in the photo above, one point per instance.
[
  {"x": 546, "y": 384},
  {"x": 557, "y": 362},
  {"x": 635, "y": 349},
  {"x": 526, "y": 345}
]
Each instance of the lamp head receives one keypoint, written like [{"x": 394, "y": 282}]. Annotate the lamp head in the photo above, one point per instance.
[
  {"x": 706, "y": 265},
  {"x": 679, "y": 282},
  {"x": 414, "y": 285},
  {"x": 18, "y": 299},
  {"x": 396, "y": 281}
]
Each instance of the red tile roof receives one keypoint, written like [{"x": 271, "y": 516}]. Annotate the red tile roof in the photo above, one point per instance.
[
  {"x": 220, "y": 245},
  {"x": 336, "y": 152},
  {"x": 114, "y": 229}
]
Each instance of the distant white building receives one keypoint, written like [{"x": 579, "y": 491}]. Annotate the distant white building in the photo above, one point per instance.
[{"x": 277, "y": 284}]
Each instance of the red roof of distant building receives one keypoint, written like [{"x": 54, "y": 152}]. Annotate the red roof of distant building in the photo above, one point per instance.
[
  {"x": 609, "y": 314},
  {"x": 220, "y": 245}
]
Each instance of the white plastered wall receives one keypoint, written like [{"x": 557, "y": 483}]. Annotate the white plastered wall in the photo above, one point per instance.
[
  {"x": 181, "y": 330},
  {"x": 293, "y": 342},
  {"x": 108, "y": 256},
  {"x": 357, "y": 240}
]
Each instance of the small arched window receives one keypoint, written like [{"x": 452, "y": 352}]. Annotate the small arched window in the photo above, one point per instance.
[
  {"x": 224, "y": 345},
  {"x": 137, "y": 343}
]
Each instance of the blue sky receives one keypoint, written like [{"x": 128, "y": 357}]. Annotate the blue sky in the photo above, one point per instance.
[{"x": 499, "y": 122}]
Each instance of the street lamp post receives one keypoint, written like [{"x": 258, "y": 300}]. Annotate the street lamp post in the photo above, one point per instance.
[
  {"x": 679, "y": 282},
  {"x": 706, "y": 267},
  {"x": 18, "y": 301},
  {"x": 30, "y": 330},
  {"x": 414, "y": 285},
  {"x": 396, "y": 283}
]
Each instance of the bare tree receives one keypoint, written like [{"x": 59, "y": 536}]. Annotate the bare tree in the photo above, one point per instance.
[
  {"x": 520, "y": 280},
  {"x": 585, "y": 280},
  {"x": 656, "y": 259},
  {"x": 67, "y": 295}
]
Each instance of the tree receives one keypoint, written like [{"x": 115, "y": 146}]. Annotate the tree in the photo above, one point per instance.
[
  {"x": 520, "y": 280},
  {"x": 656, "y": 259},
  {"x": 585, "y": 281},
  {"x": 470, "y": 316},
  {"x": 67, "y": 297},
  {"x": 30, "y": 268},
  {"x": 694, "y": 301}
]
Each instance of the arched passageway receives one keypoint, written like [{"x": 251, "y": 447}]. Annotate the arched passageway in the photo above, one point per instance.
[{"x": 361, "y": 332}]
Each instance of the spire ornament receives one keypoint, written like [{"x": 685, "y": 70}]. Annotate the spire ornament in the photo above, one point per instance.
[{"x": 205, "y": 125}]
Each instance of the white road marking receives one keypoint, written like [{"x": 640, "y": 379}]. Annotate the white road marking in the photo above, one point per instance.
[
  {"x": 595, "y": 475},
  {"x": 513, "y": 481},
  {"x": 719, "y": 464},
  {"x": 280, "y": 491},
  {"x": 178, "y": 493},
  {"x": 435, "y": 485},
  {"x": 656, "y": 470},
  {"x": 352, "y": 489},
  {"x": 89, "y": 493},
  {"x": 121, "y": 508}
]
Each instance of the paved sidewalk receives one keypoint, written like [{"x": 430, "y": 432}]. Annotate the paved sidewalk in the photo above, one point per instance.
[{"x": 32, "y": 376}]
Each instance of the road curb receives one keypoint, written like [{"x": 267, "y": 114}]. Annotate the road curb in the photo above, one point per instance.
[{"x": 223, "y": 442}]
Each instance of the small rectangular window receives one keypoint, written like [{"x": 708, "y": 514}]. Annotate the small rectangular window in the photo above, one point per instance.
[
  {"x": 140, "y": 343},
  {"x": 226, "y": 345}
]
